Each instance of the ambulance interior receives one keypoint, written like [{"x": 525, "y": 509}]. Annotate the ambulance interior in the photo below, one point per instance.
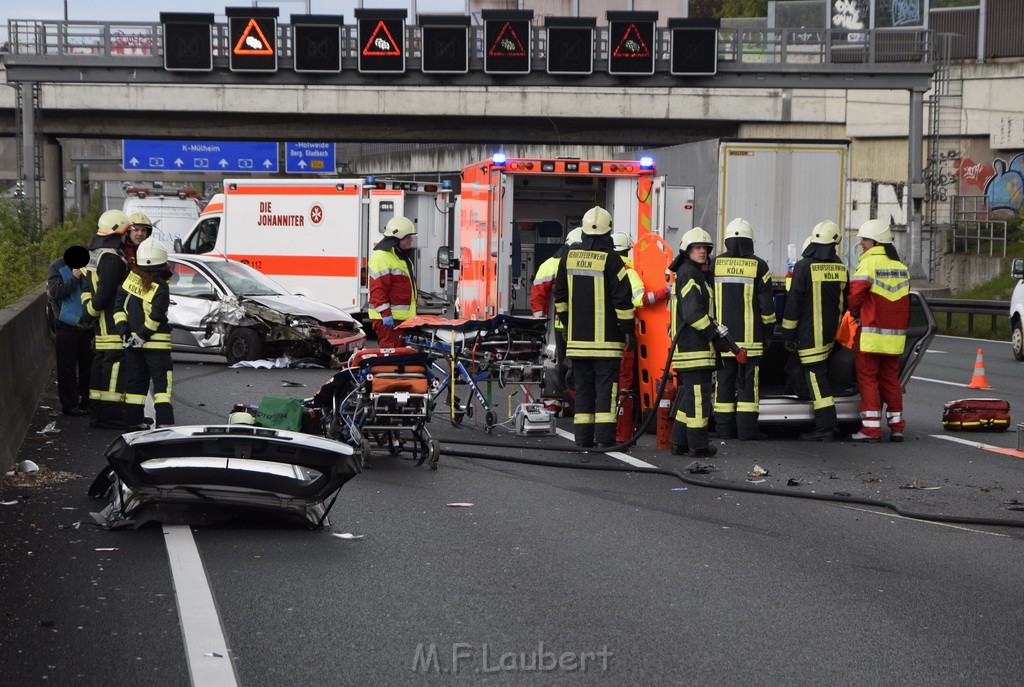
[{"x": 545, "y": 209}]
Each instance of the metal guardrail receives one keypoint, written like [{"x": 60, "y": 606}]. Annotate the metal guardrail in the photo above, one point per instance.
[{"x": 971, "y": 308}]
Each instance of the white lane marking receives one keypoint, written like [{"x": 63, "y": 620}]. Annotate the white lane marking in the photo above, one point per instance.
[
  {"x": 926, "y": 522},
  {"x": 939, "y": 381},
  {"x": 969, "y": 338},
  {"x": 958, "y": 440},
  {"x": 206, "y": 649},
  {"x": 625, "y": 458},
  {"x": 932, "y": 351}
]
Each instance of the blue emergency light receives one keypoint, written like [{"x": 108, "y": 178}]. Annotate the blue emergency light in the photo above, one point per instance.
[
  {"x": 647, "y": 163},
  {"x": 498, "y": 159}
]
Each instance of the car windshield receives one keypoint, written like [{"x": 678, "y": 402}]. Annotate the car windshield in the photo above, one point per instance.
[{"x": 244, "y": 280}]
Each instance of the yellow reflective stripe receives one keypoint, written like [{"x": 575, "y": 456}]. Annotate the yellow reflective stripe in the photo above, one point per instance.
[
  {"x": 746, "y": 407},
  {"x": 135, "y": 399},
  {"x": 583, "y": 419},
  {"x": 120, "y": 317},
  {"x": 604, "y": 418},
  {"x": 789, "y": 324},
  {"x": 725, "y": 407}
]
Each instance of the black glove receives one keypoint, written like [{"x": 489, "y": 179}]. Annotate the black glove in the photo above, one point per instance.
[
  {"x": 630, "y": 341},
  {"x": 769, "y": 331},
  {"x": 86, "y": 321},
  {"x": 790, "y": 345}
]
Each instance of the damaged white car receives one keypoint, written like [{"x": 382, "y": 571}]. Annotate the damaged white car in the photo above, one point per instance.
[{"x": 227, "y": 308}]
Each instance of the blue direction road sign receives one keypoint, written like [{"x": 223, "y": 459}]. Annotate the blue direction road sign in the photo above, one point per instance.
[
  {"x": 308, "y": 157},
  {"x": 198, "y": 156}
]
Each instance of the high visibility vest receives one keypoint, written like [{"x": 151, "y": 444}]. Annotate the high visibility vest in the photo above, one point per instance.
[
  {"x": 880, "y": 297},
  {"x": 744, "y": 299},
  {"x": 592, "y": 298}
]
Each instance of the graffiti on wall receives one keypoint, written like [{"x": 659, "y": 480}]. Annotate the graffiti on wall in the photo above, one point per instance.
[
  {"x": 1000, "y": 181},
  {"x": 877, "y": 199}
]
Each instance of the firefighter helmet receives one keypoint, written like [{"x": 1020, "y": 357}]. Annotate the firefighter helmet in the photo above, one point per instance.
[
  {"x": 400, "y": 227},
  {"x": 739, "y": 228},
  {"x": 597, "y": 221},
  {"x": 112, "y": 222},
  {"x": 574, "y": 236},
  {"x": 151, "y": 255},
  {"x": 877, "y": 230},
  {"x": 825, "y": 232},
  {"x": 695, "y": 237},
  {"x": 241, "y": 418},
  {"x": 139, "y": 218},
  {"x": 621, "y": 241}
]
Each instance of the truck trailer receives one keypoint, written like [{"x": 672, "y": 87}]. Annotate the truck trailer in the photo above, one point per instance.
[
  {"x": 782, "y": 187},
  {"x": 314, "y": 236}
]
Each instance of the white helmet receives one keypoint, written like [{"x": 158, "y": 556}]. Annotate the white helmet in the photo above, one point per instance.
[
  {"x": 876, "y": 230},
  {"x": 597, "y": 221},
  {"x": 695, "y": 237},
  {"x": 621, "y": 241},
  {"x": 739, "y": 228},
  {"x": 241, "y": 418},
  {"x": 112, "y": 222},
  {"x": 825, "y": 232},
  {"x": 151, "y": 255},
  {"x": 574, "y": 236},
  {"x": 400, "y": 227}
]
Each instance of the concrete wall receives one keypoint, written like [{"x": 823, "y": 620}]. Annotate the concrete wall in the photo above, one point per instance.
[
  {"x": 961, "y": 272},
  {"x": 26, "y": 360}
]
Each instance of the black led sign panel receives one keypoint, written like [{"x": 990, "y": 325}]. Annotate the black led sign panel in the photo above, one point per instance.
[
  {"x": 631, "y": 47},
  {"x": 444, "y": 45},
  {"x": 570, "y": 50},
  {"x": 253, "y": 46},
  {"x": 507, "y": 42},
  {"x": 316, "y": 43},
  {"x": 381, "y": 42},
  {"x": 694, "y": 49},
  {"x": 188, "y": 42}
]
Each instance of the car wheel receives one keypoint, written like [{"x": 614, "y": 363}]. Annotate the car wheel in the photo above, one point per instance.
[
  {"x": 1017, "y": 339},
  {"x": 243, "y": 344}
]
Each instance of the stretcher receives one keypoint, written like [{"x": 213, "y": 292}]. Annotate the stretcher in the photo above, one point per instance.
[
  {"x": 504, "y": 349},
  {"x": 382, "y": 399}
]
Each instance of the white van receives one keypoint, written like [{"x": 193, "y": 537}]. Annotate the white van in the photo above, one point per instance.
[{"x": 173, "y": 211}]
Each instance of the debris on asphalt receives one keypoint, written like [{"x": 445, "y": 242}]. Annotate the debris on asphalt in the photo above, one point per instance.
[
  {"x": 794, "y": 482},
  {"x": 917, "y": 484},
  {"x": 27, "y": 466},
  {"x": 841, "y": 493},
  {"x": 285, "y": 382},
  {"x": 756, "y": 481},
  {"x": 460, "y": 505},
  {"x": 109, "y": 548},
  {"x": 9, "y": 503},
  {"x": 699, "y": 468},
  {"x": 49, "y": 429},
  {"x": 680, "y": 488},
  {"x": 758, "y": 471},
  {"x": 346, "y": 535}
]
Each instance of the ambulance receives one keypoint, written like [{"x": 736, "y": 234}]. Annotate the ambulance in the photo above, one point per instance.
[
  {"x": 314, "y": 236},
  {"x": 514, "y": 213}
]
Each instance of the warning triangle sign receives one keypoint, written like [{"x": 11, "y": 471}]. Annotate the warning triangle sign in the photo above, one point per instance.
[
  {"x": 381, "y": 43},
  {"x": 507, "y": 44},
  {"x": 632, "y": 45},
  {"x": 249, "y": 44}
]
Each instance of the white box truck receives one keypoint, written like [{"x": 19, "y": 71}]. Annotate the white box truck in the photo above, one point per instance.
[
  {"x": 782, "y": 187},
  {"x": 313, "y": 236}
]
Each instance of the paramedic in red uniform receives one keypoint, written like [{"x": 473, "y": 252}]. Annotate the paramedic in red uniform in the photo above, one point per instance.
[
  {"x": 880, "y": 300},
  {"x": 392, "y": 284}
]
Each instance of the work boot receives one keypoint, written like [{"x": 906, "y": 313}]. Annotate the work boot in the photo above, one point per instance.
[
  {"x": 706, "y": 452},
  {"x": 896, "y": 437},
  {"x": 678, "y": 450},
  {"x": 865, "y": 438},
  {"x": 819, "y": 435}
]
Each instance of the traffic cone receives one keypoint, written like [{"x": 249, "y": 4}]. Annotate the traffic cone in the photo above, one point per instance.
[{"x": 979, "y": 381}]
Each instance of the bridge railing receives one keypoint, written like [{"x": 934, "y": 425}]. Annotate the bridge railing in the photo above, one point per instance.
[{"x": 739, "y": 49}]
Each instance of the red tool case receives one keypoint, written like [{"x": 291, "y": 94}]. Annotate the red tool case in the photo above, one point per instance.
[{"x": 976, "y": 414}]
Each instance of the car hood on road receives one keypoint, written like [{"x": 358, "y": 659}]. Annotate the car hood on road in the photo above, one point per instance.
[
  {"x": 180, "y": 474},
  {"x": 299, "y": 306}
]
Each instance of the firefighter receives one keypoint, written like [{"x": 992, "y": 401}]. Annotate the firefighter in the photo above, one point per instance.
[
  {"x": 695, "y": 356},
  {"x": 592, "y": 300},
  {"x": 141, "y": 319},
  {"x": 106, "y": 270},
  {"x": 814, "y": 308},
  {"x": 880, "y": 300},
  {"x": 141, "y": 229},
  {"x": 745, "y": 304},
  {"x": 392, "y": 281}
]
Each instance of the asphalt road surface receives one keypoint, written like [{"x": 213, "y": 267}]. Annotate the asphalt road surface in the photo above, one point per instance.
[{"x": 552, "y": 576}]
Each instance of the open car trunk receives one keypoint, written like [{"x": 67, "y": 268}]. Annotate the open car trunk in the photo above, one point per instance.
[{"x": 199, "y": 473}]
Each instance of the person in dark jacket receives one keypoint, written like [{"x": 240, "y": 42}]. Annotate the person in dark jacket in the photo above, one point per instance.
[
  {"x": 814, "y": 308},
  {"x": 142, "y": 324},
  {"x": 745, "y": 304},
  {"x": 695, "y": 356},
  {"x": 592, "y": 300},
  {"x": 106, "y": 271},
  {"x": 73, "y": 345}
]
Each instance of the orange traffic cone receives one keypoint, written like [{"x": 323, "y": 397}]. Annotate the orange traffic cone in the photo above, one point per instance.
[{"x": 979, "y": 381}]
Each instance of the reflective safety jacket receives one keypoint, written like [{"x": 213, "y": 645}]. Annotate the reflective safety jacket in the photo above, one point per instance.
[
  {"x": 105, "y": 272},
  {"x": 694, "y": 349},
  {"x": 880, "y": 297},
  {"x": 543, "y": 286},
  {"x": 592, "y": 300},
  {"x": 744, "y": 300},
  {"x": 638, "y": 293},
  {"x": 392, "y": 286},
  {"x": 144, "y": 312},
  {"x": 815, "y": 303}
]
